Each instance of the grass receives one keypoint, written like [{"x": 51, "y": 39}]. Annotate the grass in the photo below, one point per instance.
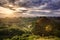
[
  {"x": 32, "y": 37},
  {"x": 48, "y": 38}
]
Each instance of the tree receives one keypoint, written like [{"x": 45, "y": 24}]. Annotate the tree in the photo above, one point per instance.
[{"x": 45, "y": 26}]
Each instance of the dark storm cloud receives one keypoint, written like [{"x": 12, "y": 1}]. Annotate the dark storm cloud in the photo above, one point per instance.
[
  {"x": 2, "y": 2},
  {"x": 30, "y": 3},
  {"x": 51, "y": 4}
]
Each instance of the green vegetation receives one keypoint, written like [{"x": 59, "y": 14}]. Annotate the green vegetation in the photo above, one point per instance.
[
  {"x": 47, "y": 27},
  {"x": 29, "y": 28}
]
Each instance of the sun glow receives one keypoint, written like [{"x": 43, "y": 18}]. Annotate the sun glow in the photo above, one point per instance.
[
  {"x": 9, "y": 10},
  {"x": 10, "y": 5},
  {"x": 6, "y": 11}
]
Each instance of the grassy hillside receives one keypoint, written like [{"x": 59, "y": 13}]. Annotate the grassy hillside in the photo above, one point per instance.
[{"x": 29, "y": 28}]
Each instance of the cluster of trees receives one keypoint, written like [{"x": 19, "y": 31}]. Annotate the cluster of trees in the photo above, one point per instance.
[{"x": 47, "y": 27}]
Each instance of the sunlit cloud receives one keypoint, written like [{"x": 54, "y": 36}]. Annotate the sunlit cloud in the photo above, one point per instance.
[
  {"x": 6, "y": 12},
  {"x": 30, "y": 8}
]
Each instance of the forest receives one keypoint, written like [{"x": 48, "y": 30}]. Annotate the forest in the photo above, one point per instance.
[{"x": 31, "y": 28}]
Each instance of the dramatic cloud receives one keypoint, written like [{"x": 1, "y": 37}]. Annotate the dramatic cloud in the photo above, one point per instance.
[
  {"x": 31, "y": 8},
  {"x": 51, "y": 4}
]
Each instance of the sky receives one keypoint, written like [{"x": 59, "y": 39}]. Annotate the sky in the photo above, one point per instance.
[{"x": 30, "y": 8}]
